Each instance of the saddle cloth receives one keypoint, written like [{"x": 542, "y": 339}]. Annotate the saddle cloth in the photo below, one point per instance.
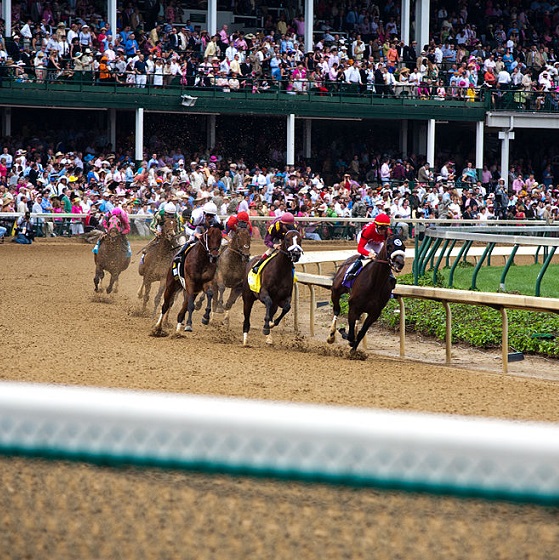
[
  {"x": 177, "y": 266},
  {"x": 349, "y": 281},
  {"x": 255, "y": 280}
]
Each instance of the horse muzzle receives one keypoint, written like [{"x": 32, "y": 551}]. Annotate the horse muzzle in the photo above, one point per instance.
[
  {"x": 212, "y": 257},
  {"x": 397, "y": 261},
  {"x": 294, "y": 256}
]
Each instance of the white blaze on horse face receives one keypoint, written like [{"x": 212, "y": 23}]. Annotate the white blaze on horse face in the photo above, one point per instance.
[{"x": 294, "y": 245}]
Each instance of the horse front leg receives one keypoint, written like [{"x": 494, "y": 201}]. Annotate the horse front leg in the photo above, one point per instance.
[
  {"x": 220, "y": 290},
  {"x": 233, "y": 297},
  {"x": 371, "y": 318},
  {"x": 352, "y": 318},
  {"x": 147, "y": 289},
  {"x": 168, "y": 299},
  {"x": 114, "y": 279},
  {"x": 190, "y": 306},
  {"x": 99, "y": 275},
  {"x": 248, "y": 302},
  {"x": 284, "y": 311},
  {"x": 207, "y": 314},
  {"x": 267, "y": 301},
  {"x": 158, "y": 296}
]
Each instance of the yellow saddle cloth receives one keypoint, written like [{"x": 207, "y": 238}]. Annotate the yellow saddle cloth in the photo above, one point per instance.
[{"x": 255, "y": 279}]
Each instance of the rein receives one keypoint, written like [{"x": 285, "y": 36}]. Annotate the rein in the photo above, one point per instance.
[{"x": 243, "y": 256}]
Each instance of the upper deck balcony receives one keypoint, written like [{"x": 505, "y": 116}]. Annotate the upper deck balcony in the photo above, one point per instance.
[{"x": 340, "y": 101}]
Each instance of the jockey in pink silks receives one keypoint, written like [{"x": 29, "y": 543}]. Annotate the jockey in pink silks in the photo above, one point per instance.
[{"x": 120, "y": 219}]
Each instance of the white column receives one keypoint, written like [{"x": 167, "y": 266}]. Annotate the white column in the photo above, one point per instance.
[
  {"x": 479, "y": 147},
  {"x": 505, "y": 136},
  {"x": 7, "y": 16},
  {"x": 139, "y": 144},
  {"x": 431, "y": 142},
  {"x": 290, "y": 139},
  {"x": 210, "y": 132},
  {"x": 212, "y": 17},
  {"x": 405, "y": 21},
  {"x": 404, "y": 137},
  {"x": 307, "y": 139},
  {"x": 309, "y": 25},
  {"x": 7, "y": 122},
  {"x": 421, "y": 24},
  {"x": 111, "y": 18},
  {"x": 111, "y": 114}
]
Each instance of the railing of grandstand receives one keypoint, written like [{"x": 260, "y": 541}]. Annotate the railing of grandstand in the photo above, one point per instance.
[{"x": 243, "y": 87}]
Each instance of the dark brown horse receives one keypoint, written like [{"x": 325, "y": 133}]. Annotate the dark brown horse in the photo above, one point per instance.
[
  {"x": 276, "y": 285},
  {"x": 231, "y": 270},
  {"x": 112, "y": 256},
  {"x": 371, "y": 290},
  {"x": 198, "y": 272},
  {"x": 156, "y": 261}
]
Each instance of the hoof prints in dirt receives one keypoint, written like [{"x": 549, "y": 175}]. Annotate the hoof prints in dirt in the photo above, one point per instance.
[
  {"x": 101, "y": 298},
  {"x": 300, "y": 344}
]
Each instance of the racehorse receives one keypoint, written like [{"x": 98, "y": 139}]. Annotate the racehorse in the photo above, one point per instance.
[
  {"x": 276, "y": 285},
  {"x": 198, "y": 271},
  {"x": 371, "y": 290},
  {"x": 112, "y": 256},
  {"x": 231, "y": 270},
  {"x": 156, "y": 262}
]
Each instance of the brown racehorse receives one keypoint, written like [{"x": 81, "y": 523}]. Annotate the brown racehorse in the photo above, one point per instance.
[
  {"x": 276, "y": 285},
  {"x": 371, "y": 290},
  {"x": 156, "y": 262},
  {"x": 231, "y": 270},
  {"x": 111, "y": 256},
  {"x": 198, "y": 272}
]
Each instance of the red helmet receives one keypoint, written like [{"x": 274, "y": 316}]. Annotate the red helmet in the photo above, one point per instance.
[
  {"x": 242, "y": 217},
  {"x": 382, "y": 220},
  {"x": 287, "y": 218}
]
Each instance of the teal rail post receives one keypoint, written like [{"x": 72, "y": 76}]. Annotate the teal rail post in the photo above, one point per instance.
[
  {"x": 463, "y": 250},
  {"x": 423, "y": 250},
  {"x": 415, "y": 261},
  {"x": 546, "y": 263},
  {"x": 438, "y": 261},
  {"x": 510, "y": 262},
  {"x": 489, "y": 255},
  {"x": 447, "y": 265},
  {"x": 430, "y": 256},
  {"x": 487, "y": 251}
]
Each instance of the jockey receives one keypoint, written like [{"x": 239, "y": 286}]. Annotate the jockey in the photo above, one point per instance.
[
  {"x": 167, "y": 210},
  {"x": 234, "y": 221},
  {"x": 201, "y": 219},
  {"x": 274, "y": 236},
  {"x": 371, "y": 242},
  {"x": 123, "y": 227}
]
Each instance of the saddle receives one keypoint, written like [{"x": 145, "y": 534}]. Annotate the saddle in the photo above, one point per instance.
[
  {"x": 349, "y": 278},
  {"x": 177, "y": 265},
  {"x": 255, "y": 279}
]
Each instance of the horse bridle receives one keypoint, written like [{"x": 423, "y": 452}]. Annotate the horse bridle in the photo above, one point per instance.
[
  {"x": 391, "y": 256},
  {"x": 213, "y": 253},
  {"x": 294, "y": 250}
]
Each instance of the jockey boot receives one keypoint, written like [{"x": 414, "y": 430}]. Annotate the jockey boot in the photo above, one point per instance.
[
  {"x": 353, "y": 269},
  {"x": 259, "y": 263},
  {"x": 182, "y": 250}
]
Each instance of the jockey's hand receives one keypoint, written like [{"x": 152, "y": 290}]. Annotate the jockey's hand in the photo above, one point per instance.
[
  {"x": 277, "y": 246},
  {"x": 198, "y": 235},
  {"x": 159, "y": 234},
  {"x": 372, "y": 255}
]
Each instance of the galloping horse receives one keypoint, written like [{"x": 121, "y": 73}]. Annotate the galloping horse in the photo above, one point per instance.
[
  {"x": 276, "y": 285},
  {"x": 371, "y": 290},
  {"x": 111, "y": 256},
  {"x": 231, "y": 270},
  {"x": 156, "y": 262},
  {"x": 198, "y": 271}
]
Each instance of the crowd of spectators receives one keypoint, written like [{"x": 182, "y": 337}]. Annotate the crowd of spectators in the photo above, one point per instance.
[
  {"x": 473, "y": 47},
  {"x": 92, "y": 184}
]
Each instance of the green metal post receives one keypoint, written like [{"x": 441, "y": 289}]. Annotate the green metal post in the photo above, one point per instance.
[
  {"x": 430, "y": 256},
  {"x": 510, "y": 262},
  {"x": 423, "y": 250},
  {"x": 447, "y": 265},
  {"x": 488, "y": 249},
  {"x": 546, "y": 263},
  {"x": 438, "y": 261},
  {"x": 463, "y": 249}
]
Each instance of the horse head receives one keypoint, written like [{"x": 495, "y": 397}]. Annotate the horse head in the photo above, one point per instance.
[
  {"x": 212, "y": 242},
  {"x": 169, "y": 228},
  {"x": 291, "y": 245},
  {"x": 240, "y": 241},
  {"x": 113, "y": 228},
  {"x": 395, "y": 252}
]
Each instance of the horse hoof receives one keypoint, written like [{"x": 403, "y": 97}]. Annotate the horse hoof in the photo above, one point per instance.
[
  {"x": 205, "y": 321},
  {"x": 269, "y": 339},
  {"x": 188, "y": 328},
  {"x": 265, "y": 331},
  {"x": 331, "y": 339}
]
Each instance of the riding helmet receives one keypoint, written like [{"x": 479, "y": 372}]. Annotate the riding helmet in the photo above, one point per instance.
[
  {"x": 287, "y": 218},
  {"x": 242, "y": 216},
  {"x": 169, "y": 208},
  {"x": 210, "y": 208},
  {"x": 382, "y": 220}
]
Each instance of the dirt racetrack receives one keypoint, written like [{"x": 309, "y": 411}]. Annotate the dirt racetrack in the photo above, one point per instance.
[{"x": 54, "y": 329}]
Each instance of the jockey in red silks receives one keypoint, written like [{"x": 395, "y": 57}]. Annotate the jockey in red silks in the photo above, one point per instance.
[
  {"x": 371, "y": 241},
  {"x": 234, "y": 221},
  {"x": 274, "y": 236}
]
